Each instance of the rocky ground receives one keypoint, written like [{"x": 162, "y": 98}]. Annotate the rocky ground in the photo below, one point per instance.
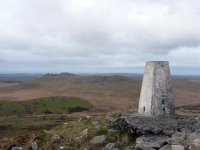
[
  {"x": 94, "y": 132},
  {"x": 162, "y": 133},
  {"x": 113, "y": 131}
]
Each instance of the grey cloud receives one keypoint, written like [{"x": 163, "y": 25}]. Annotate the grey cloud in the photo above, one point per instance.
[{"x": 94, "y": 33}]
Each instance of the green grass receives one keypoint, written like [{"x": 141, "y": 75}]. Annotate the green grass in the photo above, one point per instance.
[
  {"x": 23, "y": 130},
  {"x": 8, "y": 108},
  {"x": 13, "y": 127},
  {"x": 43, "y": 139},
  {"x": 48, "y": 105}
]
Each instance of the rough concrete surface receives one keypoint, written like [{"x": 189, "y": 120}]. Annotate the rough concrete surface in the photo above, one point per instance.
[{"x": 156, "y": 98}]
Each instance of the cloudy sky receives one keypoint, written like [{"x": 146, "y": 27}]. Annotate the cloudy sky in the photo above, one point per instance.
[{"x": 95, "y": 36}]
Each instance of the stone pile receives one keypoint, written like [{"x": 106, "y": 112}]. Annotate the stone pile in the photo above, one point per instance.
[{"x": 162, "y": 133}]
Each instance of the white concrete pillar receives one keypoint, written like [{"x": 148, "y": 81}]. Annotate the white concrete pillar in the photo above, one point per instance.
[{"x": 156, "y": 97}]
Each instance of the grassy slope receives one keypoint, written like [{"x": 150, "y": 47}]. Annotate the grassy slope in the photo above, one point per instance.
[
  {"x": 71, "y": 136},
  {"x": 8, "y": 108},
  {"x": 104, "y": 93},
  {"x": 12, "y": 127},
  {"x": 43, "y": 105},
  {"x": 114, "y": 86},
  {"x": 117, "y": 85}
]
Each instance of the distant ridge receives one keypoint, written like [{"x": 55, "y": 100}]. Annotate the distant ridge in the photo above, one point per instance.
[
  {"x": 61, "y": 75},
  {"x": 91, "y": 79},
  {"x": 129, "y": 75}
]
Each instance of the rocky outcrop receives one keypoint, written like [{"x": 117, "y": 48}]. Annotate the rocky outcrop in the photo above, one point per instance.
[
  {"x": 141, "y": 125},
  {"x": 163, "y": 133}
]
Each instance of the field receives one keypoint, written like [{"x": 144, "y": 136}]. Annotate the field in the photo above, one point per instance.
[
  {"x": 113, "y": 93},
  {"x": 104, "y": 93},
  {"x": 48, "y": 105}
]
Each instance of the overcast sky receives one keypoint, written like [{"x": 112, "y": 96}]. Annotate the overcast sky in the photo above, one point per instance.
[{"x": 88, "y": 36}]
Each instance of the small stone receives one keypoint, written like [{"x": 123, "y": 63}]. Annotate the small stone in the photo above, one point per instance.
[
  {"x": 168, "y": 131},
  {"x": 141, "y": 146},
  {"x": 185, "y": 130},
  {"x": 177, "y": 138},
  {"x": 152, "y": 141},
  {"x": 34, "y": 146},
  {"x": 94, "y": 122},
  {"x": 166, "y": 147},
  {"x": 197, "y": 118},
  {"x": 175, "y": 117},
  {"x": 105, "y": 127},
  {"x": 17, "y": 148},
  {"x": 174, "y": 141},
  {"x": 98, "y": 139},
  {"x": 55, "y": 137},
  {"x": 110, "y": 146},
  {"x": 180, "y": 135},
  {"x": 97, "y": 127},
  {"x": 85, "y": 132},
  {"x": 177, "y": 147},
  {"x": 155, "y": 130},
  {"x": 195, "y": 145},
  {"x": 197, "y": 131},
  {"x": 112, "y": 130},
  {"x": 112, "y": 120},
  {"x": 192, "y": 136},
  {"x": 128, "y": 148},
  {"x": 62, "y": 147},
  {"x": 78, "y": 138}
]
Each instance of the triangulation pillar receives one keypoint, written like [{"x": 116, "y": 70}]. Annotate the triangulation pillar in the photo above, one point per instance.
[{"x": 156, "y": 97}]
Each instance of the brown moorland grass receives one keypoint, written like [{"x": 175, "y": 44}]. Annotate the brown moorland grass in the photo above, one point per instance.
[
  {"x": 7, "y": 84},
  {"x": 106, "y": 94}
]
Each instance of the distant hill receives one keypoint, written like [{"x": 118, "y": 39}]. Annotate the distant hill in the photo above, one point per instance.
[
  {"x": 21, "y": 78},
  {"x": 61, "y": 75},
  {"x": 105, "y": 93},
  {"x": 129, "y": 75},
  {"x": 18, "y": 78},
  {"x": 188, "y": 77},
  {"x": 92, "y": 79}
]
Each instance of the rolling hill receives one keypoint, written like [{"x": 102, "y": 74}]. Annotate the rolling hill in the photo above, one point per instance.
[{"x": 105, "y": 93}]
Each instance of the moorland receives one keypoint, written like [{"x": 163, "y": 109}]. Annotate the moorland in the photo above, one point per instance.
[
  {"x": 30, "y": 104},
  {"x": 103, "y": 93}
]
